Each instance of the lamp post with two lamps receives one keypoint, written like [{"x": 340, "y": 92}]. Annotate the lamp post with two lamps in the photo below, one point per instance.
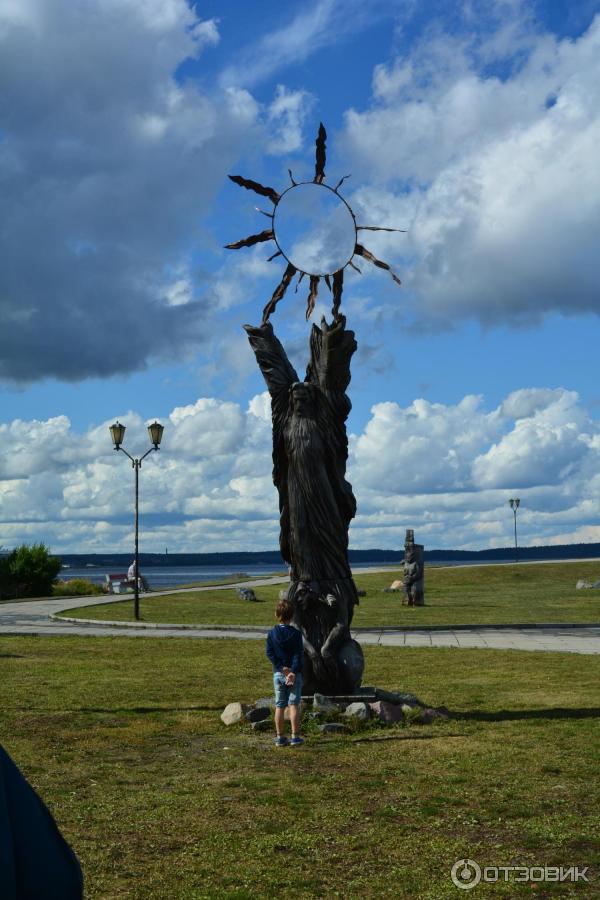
[
  {"x": 514, "y": 505},
  {"x": 117, "y": 433}
]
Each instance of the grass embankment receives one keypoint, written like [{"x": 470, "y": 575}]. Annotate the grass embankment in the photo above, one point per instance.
[
  {"x": 122, "y": 738},
  {"x": 455, "y": 596}
]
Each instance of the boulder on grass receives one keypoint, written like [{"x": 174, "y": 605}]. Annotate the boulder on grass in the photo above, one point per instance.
[
  {"x": 233, "y": 712},
  {"x": 398, "y": 697},
  {"x": 258, "y": 714},
  {"x": 386, "y": 712},
  {"x": 333, "y": 728},
  {"x": 268, "y": 702},
  {"x": 410, "y": 712},
  {"x": 359, "y": 711},
  {"x": 262, "y": 725},
  {"x": 323, "y": 704}
]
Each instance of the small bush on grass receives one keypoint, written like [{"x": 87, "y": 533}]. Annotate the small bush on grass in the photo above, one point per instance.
[
  {"x": 76, "y": 587},
  {"x": 28, "y": 572}
]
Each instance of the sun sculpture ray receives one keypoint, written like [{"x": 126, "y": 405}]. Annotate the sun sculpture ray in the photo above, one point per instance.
[{"x": 339, "y": 218}]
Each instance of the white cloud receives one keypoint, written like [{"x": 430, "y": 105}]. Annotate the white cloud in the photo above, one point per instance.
[
  {"x": 427, "y": 447},
  {"x": 286, "y": 116},
  {"x": 495, "y": 177},
  {"x": 445, "y": 470},
  {"x": 107, "y": 163},
  {"x": 547, "y": 444}
]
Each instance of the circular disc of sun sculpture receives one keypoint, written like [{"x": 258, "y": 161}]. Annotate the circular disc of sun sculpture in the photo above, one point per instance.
[{"x": 314, "y": 229}]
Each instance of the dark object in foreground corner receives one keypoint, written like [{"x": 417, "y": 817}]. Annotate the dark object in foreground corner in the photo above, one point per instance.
[{"x": 35, "y": 860}]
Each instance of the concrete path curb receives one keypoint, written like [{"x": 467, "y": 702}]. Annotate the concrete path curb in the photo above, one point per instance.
[{"x": 378, "y": 629}]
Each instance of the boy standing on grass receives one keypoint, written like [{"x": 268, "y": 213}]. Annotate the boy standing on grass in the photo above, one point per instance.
[{"x": 285, "y": 650}]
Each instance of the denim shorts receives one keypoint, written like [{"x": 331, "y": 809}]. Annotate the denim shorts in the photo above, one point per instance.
[{"x": 287, "y": 696}]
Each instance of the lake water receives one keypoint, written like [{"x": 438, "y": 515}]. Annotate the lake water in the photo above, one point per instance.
[{"x": 171, "y": 576}]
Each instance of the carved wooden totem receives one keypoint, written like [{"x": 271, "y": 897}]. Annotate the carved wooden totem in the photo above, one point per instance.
[
  {"x": 316, "y": 503},
  {"x": 316, "y": 232}
]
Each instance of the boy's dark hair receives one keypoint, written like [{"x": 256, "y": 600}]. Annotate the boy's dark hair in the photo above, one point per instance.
[{"x": 285, "y": 610}]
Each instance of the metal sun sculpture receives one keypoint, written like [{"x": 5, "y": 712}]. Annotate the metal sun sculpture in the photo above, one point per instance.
[{"x": 316, "y": 232}]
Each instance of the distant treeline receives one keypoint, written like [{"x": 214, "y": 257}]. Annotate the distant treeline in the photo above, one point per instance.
[
  {"x": 556, "y": 551},
  {"x": 273, "y": 557}
]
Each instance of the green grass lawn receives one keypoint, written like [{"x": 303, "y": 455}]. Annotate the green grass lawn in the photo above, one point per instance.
[
  {"x": 229, "y": 579},
  {"x": 463, "y": 595},
  {"x": 122, "y": 738}
]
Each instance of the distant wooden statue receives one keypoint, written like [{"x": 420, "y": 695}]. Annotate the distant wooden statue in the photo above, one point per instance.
[
  {"x": 414, "y": 571},
  {"x": 316, "y": 503}
]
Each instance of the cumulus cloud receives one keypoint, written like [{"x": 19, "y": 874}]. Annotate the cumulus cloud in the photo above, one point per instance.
[
  {"x": 545, "y": 444},
  {"x": 448, "y": 471},
  {"x": 485, "y": 148},
  {"x": 445, "y": 470},
  {"x": 286, "y": 116},
  {"x": 107, "y": 163}
]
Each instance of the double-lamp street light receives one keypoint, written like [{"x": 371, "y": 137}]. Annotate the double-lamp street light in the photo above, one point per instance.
[
  {"x": 514, "y": 505},
  {"x": 117, "y": 433}
]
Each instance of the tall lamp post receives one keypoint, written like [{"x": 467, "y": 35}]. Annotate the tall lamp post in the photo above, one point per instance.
[
  {"x": 514, "y": 505},
  {"x": 117, "y": 433}
]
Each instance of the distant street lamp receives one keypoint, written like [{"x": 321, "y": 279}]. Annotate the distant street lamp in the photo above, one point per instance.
[
  {"x": 117, "y": 433},
  {"x": 514, "y": 505}
]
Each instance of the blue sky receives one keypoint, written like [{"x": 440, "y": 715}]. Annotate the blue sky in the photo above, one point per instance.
[{"x": 473, "y": 126}]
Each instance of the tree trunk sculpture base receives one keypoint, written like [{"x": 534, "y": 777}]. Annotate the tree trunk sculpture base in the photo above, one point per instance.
[
  {"x": 316, "y": 503},
  {"x": 333, "y": 660}
]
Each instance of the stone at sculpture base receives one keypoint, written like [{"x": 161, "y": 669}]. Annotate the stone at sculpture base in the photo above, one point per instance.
[
  {"x": 234, "y": 712},
  {"x": 387, "y": 707},
  {"x": 388, "y": 713},
  {"x": 360, "y": 711},
  {"x": 257, "y": 714},
  {"x": 262, "y": 725},
  {"x": 333, "y": 728}
]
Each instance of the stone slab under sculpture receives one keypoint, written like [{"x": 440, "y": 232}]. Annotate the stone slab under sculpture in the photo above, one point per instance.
[
  {"x": 316, "y": 503},
  {"x": 414, "y": 571}
]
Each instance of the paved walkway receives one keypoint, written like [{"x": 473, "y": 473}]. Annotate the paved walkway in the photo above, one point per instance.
[{"x": 34, "y": 617}]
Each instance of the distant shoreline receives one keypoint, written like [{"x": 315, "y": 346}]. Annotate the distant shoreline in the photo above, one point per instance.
[{"x": 356, "y": 557}]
